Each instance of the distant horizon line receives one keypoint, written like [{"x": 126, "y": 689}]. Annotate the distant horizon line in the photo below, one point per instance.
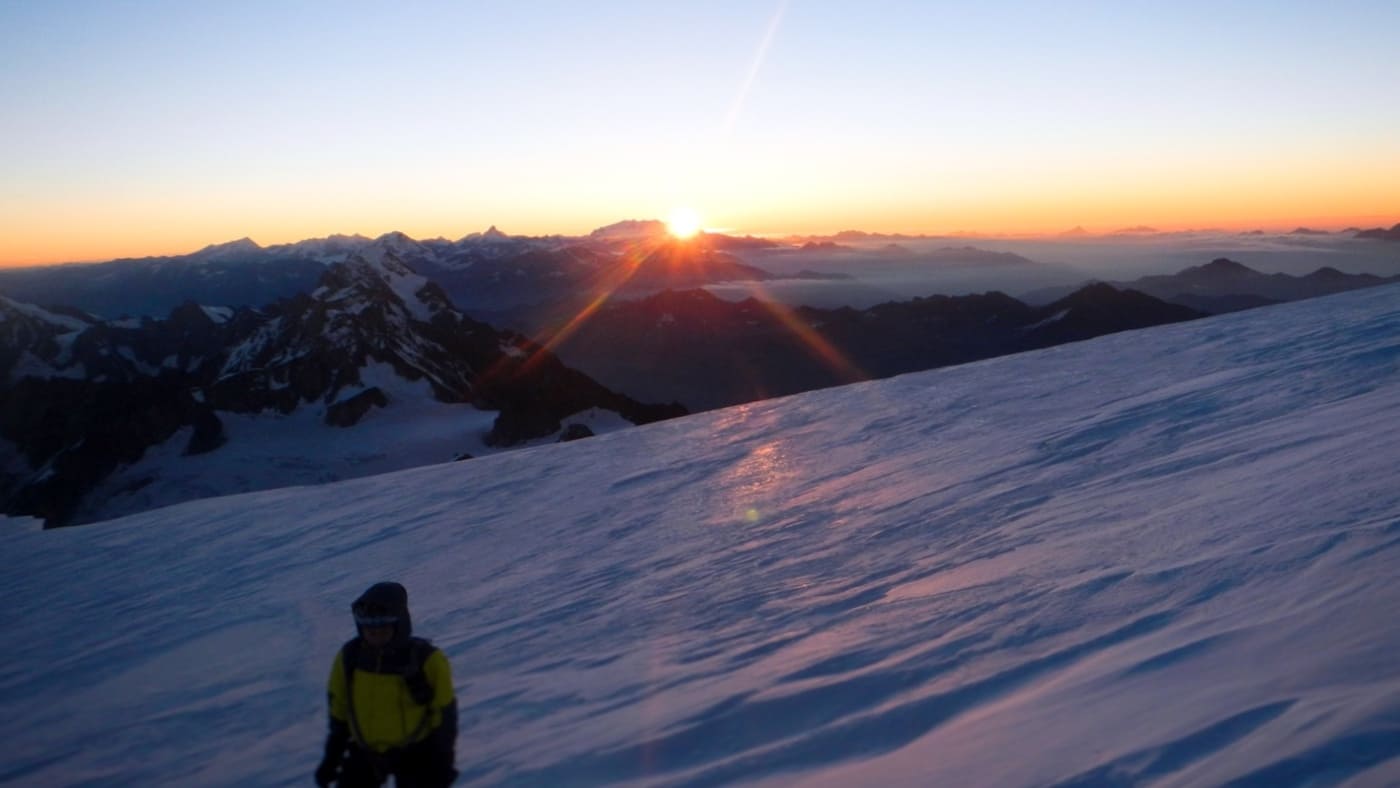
[{"x": 1077, "y": 232}]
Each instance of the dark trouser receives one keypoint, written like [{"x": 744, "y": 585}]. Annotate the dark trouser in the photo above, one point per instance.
[{"x": 421, "y": 765}]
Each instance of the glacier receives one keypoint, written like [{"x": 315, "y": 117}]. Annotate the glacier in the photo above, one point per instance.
[{"x": 1163, "y": 557}]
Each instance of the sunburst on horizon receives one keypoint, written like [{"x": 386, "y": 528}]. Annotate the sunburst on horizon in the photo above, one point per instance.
[{"x": 683, "y": 223}]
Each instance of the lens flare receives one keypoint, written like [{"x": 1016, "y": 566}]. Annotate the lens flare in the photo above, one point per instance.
[{"x": 684, "y": 223}]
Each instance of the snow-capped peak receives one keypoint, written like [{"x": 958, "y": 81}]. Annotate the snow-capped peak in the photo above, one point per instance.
[
  {"x": 367, "y": 273},
  {"x": 397, "y": 241},
  {"x": 10, "y": 309}
]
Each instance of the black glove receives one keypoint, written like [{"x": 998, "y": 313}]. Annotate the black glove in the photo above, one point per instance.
[
  {"x": 336, "y": 740},
  {"x": 444, "y": 744},
  {"x": 327, "y": 772},
  {"x": 446, "y": 732}
]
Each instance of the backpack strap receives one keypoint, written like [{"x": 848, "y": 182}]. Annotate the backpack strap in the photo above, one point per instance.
[{"x": 417, "y": 680}]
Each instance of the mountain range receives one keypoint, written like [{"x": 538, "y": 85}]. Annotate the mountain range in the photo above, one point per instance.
[
  {"x": 83, "y": 398},
  {"x": 488, "y": 269},
  {"x": 1224, "y": 285}
]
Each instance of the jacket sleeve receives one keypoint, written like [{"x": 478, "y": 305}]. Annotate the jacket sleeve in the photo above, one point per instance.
[
  {"x": 444, "y": 698},
  {"x": 335, "y": 690},
  {"x": 440, "y": 679}
]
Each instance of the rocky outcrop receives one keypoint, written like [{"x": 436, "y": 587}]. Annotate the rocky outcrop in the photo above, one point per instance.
[
  {"x": 574, "y": 432},
  {"x": 76, "y": 432},
  {"x": 348, "y": 412}
]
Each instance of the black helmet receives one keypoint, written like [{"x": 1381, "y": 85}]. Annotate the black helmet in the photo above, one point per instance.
[{"x": 384, "y": 604}]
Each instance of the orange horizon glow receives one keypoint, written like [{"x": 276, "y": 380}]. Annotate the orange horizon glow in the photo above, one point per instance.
[{"x": 38, "y": 245}]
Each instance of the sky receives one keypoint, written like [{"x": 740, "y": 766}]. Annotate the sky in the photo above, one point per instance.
[
  {"x": 1161, "y": 557},
  {"x": 154, "y": 127}
]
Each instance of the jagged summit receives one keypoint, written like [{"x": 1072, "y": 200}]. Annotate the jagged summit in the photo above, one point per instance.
[
  {"x": 491, "y": 234},
  {"x": 366, "y": 310},
  {"x": 380, "y": 275}
]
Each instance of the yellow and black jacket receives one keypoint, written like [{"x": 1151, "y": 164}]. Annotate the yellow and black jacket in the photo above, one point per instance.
[{"x": 375, "y": 697}]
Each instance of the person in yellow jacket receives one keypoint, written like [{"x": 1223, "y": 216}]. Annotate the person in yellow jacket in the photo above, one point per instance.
[{"x": 392, "y": 707}]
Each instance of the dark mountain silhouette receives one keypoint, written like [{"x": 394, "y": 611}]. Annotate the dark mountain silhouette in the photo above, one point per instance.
[
  {"x": 730, "y": 243},
  {"x": 1224, "y": 285},
  {"x": 1381, "y": 234},
  {"x": 704, "y": 352}
]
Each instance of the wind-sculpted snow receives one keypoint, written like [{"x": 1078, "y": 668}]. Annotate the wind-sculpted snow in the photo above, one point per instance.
[{"x": 1162, "y": 557}]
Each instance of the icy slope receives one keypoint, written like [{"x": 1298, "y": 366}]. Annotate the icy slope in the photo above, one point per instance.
[{"x": 1163, "y": 557}]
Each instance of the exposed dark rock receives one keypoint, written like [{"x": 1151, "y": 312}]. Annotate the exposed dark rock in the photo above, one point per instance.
[
  {"x": 575, "y": 432},
  {"x": 78, "y": 431},
  {"x": 348, "y": 412},
  {"x": 208, "y": 433}
]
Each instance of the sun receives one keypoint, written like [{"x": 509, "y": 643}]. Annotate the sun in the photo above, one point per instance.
[{"x": 684, "y": 223}]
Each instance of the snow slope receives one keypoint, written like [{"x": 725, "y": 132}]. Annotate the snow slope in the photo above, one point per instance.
[
  {"x": 267, "y": 450},
  {"x": 1164, "y": 557}
]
